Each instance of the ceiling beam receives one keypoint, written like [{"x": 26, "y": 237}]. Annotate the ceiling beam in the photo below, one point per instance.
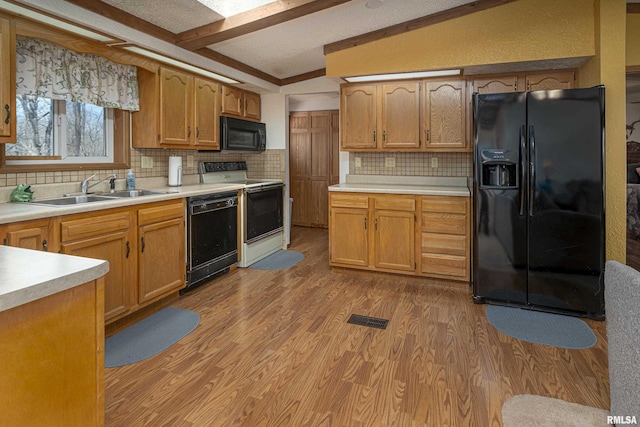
[
  {"x": 414, "y": 24},
  {"x": 251, "y": 21},
  {"x": 633, "y": 7},
  {"x": 115, "y": 14},
  {"x": 302, "y": 77},
  {"x": 240, "y": 66}
]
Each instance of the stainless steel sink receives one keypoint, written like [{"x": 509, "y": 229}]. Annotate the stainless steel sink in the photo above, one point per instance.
[
  {"x": 72, "y": 200},
  {"x": 134, "y": 193}
]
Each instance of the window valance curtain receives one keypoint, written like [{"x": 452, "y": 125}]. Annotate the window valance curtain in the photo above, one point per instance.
[{"x": 49, "y": 70}]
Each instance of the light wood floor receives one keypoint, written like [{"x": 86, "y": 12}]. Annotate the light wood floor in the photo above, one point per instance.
[{"x": 273, "y": 349}]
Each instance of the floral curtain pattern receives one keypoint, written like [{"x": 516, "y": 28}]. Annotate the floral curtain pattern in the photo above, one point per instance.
[{"x": 49, "y": 70}]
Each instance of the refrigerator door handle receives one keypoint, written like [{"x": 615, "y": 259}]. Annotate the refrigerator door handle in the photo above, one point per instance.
[
  {"x": 532, "y": 168},
  {"x": 523, "y": 168}
]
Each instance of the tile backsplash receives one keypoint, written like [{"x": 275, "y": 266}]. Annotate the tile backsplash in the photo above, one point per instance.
[
  {"x": 414, "y": 164},
  {"x": 269, "y": 164}
]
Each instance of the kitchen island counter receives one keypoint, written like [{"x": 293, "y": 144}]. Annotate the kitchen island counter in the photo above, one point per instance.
[
  {"x": 417, "y": 185},
  {"x": 28, "y": 275}
]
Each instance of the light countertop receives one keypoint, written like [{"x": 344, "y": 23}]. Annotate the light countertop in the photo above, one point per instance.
[
  {"x": 14, "y": 212},
  {"x": 418, "y": 185},
  {"x": 29, "y": 275}
]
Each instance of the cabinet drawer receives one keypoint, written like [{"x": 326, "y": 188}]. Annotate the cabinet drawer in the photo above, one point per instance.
[
  {"x": 444, "y": 223},
  {"x": 445, "y": 265},
  {"x": 160, "y": 213},
  {"x": 445, "y": 244},
  {"x": 94, "y": 226},
  {"x": 395, "y": 203},
  {"x": 349, "y": 200},
  {"x": 448, "y": 204}
]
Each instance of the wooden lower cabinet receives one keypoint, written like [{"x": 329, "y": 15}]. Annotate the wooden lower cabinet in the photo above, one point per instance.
[
  {"x": 53, "y": 360},
  {"x": 445, "y": 237},
  {"x": 416, "y": 235},
  {"x": 161, "y": 255},
  {"x": 109, "y": 237},
  {"x": 145, "y": 248},
  {"x": 36, "y": 235}
]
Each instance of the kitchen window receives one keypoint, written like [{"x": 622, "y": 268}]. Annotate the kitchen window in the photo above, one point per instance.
[
  {"x": 72, "y": 110},
  {"x": 57, "y": 131}
]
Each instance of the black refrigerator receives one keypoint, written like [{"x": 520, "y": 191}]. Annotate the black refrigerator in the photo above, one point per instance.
[{"x": 539, "y": 225}]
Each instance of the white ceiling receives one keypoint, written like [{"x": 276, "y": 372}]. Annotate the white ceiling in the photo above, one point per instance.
[{"x": 291, "y": 48}]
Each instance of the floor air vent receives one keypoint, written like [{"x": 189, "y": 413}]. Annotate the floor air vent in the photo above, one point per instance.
[{"x": 371, "y": 322}]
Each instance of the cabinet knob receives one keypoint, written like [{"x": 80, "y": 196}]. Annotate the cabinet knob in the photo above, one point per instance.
[{"x": 45, "y": 245}]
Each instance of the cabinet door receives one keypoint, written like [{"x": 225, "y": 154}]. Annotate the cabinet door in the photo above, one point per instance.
[
  {"x": 175, "y": 107},
  {"x": 495, "y": 84},
  {"x": 550, "y": 81},
  {"x": 358, "y": 105},
  {"x": 232, "y": 101},
  {"x": 116, "y": 249},
  {"x": 31, "y": 235},
  {"x": 161, "y": 270},
  {"x": 207, "y": 119},
  {"x": 394, "y": 240},
  {"x": 348, "y": 237},
  {"x": 252, "y": 106},
  {"x": 7, "y": 82},
  {"x": 400, "y": 115},
  {"x": 445, "y": 115}
]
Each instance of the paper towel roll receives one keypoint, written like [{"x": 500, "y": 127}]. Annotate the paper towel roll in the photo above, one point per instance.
[{"x": 175, "y": 171}]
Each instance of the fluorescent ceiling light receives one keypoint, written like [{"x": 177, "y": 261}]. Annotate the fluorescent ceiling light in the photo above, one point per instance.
[
  {"x": 55, "y": 22},
  {"x": 228, "y": 8},
  {"x": 400, "y": 76},
  {"x": 180, "y": 64}
]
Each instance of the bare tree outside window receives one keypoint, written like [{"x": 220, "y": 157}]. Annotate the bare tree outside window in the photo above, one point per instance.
[
  {"x": 34, "y": 124},
  {"x": 65, "y": 129}
]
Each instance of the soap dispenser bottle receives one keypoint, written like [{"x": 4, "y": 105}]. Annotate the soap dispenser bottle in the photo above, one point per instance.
[{"x": 131, "y": 181}]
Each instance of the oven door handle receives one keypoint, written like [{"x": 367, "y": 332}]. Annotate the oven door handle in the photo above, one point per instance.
[{"x": 263, "y": 188}]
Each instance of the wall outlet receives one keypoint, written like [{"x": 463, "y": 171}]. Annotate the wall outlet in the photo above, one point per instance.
[
  {"x": 434, "y": 162},
  {"x": 191, "y": 161},
  {"x": 389, "y": 162},
  {"x": 146, "y": 162},
  {"x": 358, "y": 162}
]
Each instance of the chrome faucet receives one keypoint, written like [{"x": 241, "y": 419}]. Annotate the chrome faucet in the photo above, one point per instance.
[{"x": 84, "y": 186}]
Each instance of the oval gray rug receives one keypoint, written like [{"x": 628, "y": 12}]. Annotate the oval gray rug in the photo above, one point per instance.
[
  {"x": 149, "y": 336},
  {"x": 279, "y": 260},
  {"x": 541, "y": 328}
]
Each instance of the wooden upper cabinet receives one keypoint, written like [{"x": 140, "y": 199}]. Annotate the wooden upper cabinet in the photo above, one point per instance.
[
  {"x": 232, "y": 101},
  {"x": 7, "y": 81},
  {"x": 550, "y": 80},
  {"x": 400, "y": 115},
  {"x": 176, "y": 109},
  {"x": 206, "y": 116},
  {"x": 493, "y": 84},
  {"x": 358, "y": 117},
  {"x": 252, "y": 106},
  {"x": 444, "y": 115},
  {"x": 240, "y": 103}
]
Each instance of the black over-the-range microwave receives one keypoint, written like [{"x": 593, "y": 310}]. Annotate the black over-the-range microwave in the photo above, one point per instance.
[{"x": 242, "y": 135}]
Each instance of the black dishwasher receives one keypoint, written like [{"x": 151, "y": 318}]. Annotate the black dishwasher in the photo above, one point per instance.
[{"x": 212, "y": 236}]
